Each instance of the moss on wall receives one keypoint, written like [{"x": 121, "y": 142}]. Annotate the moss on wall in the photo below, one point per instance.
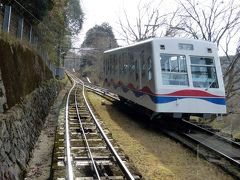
[{"x": 22, "y": 70}]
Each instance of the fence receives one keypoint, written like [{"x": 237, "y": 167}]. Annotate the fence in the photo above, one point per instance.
[{"x": 13, "y": 22}]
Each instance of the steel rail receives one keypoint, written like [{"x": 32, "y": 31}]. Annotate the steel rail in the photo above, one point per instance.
[
  {"x": 217, "y": 137},
  {"x": 237, "y": 163},
  {"x": 67, "y": 139},
  {"x": 100, "y": 90},
  {"x": 93, "y": 87},
  {"x": 109, "y": 144},
  {"x": 208, "y": 145},
  {"x": 212, "y": 133},
  {"x": 85, "y": 139}
]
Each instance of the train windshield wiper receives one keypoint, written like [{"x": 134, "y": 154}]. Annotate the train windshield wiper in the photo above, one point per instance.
[{"x": 212, "y": 81}]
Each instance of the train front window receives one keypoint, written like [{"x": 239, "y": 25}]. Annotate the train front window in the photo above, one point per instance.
[
  {"x": 174, "y": 69},
  {"x": 203, "y": 72}
]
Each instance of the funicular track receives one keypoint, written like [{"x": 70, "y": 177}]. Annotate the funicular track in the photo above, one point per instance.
[
  {"x": 207, "y": 144},
  {"x": 83, "y": 148},
  {"x": 214, "y": 148}
]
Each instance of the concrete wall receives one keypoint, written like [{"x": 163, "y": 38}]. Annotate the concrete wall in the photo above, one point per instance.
[{"x": 20, "y": 128}]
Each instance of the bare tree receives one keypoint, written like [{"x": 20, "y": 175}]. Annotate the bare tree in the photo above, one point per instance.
[
  {"x": 211, "y": 21},
  {"x": 145, "y": 25},
  {"x": 215, "y": 21},
  {"x": 232, "y": 75},
  {"x": 173, "y": 24}
]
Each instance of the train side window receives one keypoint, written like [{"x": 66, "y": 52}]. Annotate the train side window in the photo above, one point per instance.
[
  {"x": 125, "y": 63},
  {"x": 143, "y": 64},
  {"x": 149, "y": 68},
  {"x": 120, "y": 63},
  {"x": 131, "y": 64},
  {"x": 110, "y": 65},
  {"x": 114, "y": 62},
  {"x": 104, "y": 65},
  {"x": 203, "y": 72},
  {"x": 136, "y": 70},
  {"x": 174, "y": 69},
  {"x": 124, "y": 66}
]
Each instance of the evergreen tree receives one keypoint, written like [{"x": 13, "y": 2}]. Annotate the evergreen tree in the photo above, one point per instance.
[
  {"x": 74, "y": 16},
  {"x": 101, "y": 37}
]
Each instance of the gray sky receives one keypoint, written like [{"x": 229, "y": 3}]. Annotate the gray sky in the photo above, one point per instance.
[{"x": 97, "y": 12}]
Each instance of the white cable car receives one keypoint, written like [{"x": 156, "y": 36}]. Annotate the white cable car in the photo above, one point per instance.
[{"x": 168, "y": 75}]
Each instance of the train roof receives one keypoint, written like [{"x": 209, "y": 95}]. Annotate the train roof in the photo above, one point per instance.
[{"x": 160, "y": 39}]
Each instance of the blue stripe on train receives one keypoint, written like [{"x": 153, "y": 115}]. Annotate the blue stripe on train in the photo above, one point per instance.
[
  {"x": 163, "y": 99},
  {"x": 167, "y": 99}
]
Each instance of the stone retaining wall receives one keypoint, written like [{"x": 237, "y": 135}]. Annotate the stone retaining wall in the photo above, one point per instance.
[
  {"x": 3, "y": 99},
  {"x": 20, "y": 127},
  {"x": 22, "y": 70}
]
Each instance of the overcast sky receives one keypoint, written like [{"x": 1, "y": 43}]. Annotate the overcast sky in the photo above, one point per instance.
[{"x": 99, "y": 11}]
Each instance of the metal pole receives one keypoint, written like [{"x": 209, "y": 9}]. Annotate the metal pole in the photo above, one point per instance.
[{"x": 7, "y": 18}]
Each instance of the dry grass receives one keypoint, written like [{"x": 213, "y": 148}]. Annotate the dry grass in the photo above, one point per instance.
[
  {"x": 154, "y": 155},
  {"x": 229, "y": 124}
]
